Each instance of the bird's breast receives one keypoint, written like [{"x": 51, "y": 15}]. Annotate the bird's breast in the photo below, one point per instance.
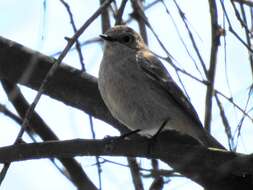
[{"x": 126, "y": 96}]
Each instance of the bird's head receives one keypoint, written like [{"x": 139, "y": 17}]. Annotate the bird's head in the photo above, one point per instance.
[{"x": 125, "y": 36}]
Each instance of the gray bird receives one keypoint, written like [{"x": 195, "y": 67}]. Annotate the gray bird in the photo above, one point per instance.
[{"x": 139, "y": 91}]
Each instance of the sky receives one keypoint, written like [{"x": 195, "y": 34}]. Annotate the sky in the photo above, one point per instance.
[{"x": 42, "y": 25}]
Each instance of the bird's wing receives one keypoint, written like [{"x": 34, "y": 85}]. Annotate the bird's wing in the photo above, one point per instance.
[{"x": 156, "y": 71}]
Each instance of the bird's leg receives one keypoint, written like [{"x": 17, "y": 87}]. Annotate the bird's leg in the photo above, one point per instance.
[
  {"x": 121, "y": 137},
  {"x": 153, "y": 139},
  {"x": 111, "y": 141},
  {"x": 129, "y": 134},
  {"x": 160, "y": 129}
]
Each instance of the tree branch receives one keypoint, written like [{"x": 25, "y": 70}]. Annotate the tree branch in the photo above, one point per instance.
[
  {"x": 207, "y": 167},
  {"x": 215, "y": 42},
  {"x": 38, "y": 126},
  {"x": 105, "y": 18},
  {"x": 246, "y": 2}
]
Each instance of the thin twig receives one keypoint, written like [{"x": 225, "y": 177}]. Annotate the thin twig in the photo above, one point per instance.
[
  {"x": 99, "y": 168},
  {"x": 135, "y": 172},
  {"x": 169, "y": 57},
  {"x": 84, "y": 43},
  {"x": 238, "y": 16},
  {"x": 151, "y": 172},
  {"x": 138, "y": 14},
  {"x": 120, "y": 12},
  {"x": 233, "y": 103},
  {"x": 247, "y": 34},
  {"x": 78, "y": 46},
  {"x": 225, "y": 57},
  {"x": 231, "y": 28},
  {"x": 181, "y": 38},
  {"x": 194, "y": 44},
  {"x": 239, "y": 126},
  {"x": 105, "y": 18},
  {"x": 226, "y": 124},
  {"x": 246, "y": 2},
  {"x": 150, "y": 5},
  {"x": 213, "y": 61},
  {"x": 240, "y": 39}
]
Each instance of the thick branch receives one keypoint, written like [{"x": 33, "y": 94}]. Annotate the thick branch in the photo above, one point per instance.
[
  {"x": 19, "y": 64},
  {"x": 209, "y": 167}
]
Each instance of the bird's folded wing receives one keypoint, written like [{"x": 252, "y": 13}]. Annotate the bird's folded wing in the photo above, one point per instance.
[{"x": 156, "y": 71}]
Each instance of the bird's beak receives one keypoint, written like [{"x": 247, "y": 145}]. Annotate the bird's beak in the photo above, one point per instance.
[{"x": 106, "y": 37}]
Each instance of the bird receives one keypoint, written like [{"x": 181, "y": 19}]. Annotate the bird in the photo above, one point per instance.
[{"x": 139, "y": 91}]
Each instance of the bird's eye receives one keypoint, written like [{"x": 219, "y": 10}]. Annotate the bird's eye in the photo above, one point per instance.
[{"x": 127, "y": 39}]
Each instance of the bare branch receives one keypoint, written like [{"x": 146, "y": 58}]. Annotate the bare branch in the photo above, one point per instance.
[
  {"x": 196, "y": 161},
  {"x": 139, "y": 15},
  {"x": 38, "y": 126},
  {"x": 248, "y": 38},
  {"x": 234, "y": 104},
  {"x": 72, "y": 22},
  {"x": 225, "y": 123},
  {"x": 135, "y": 172},
  {"x": 246, "y": 2},
  {"x": 120, "y": 12},
  {"x": 105, "y": 19},
  {"x": 215, "y": 42},
  {"x": 194, "y": 44}
]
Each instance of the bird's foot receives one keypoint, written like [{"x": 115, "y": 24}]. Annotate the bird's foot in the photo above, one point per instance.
[
  {"x": 123, "y": 136},
  {"x": 112, "y": 141},
  {"x": 153, "y": 139}
]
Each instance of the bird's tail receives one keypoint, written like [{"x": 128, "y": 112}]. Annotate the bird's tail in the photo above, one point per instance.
[{"x": 209, "y": 141}]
